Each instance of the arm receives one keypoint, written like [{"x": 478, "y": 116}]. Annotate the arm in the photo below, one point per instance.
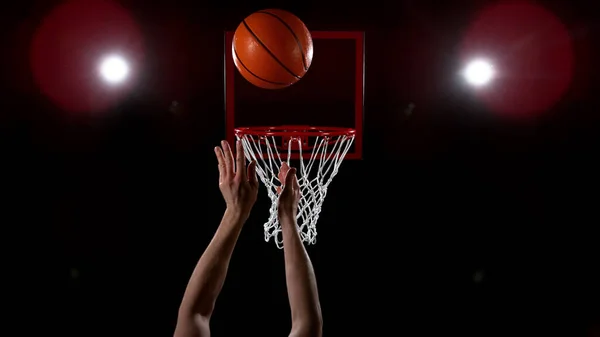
[
  {"x": 300, "y": 276},
  {"x": 239, "y": 189},
  {"x": 208, "y": 277},
  {"x": 301, "y": 283}
]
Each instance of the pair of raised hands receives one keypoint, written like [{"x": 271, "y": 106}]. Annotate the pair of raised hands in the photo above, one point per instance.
[{"x": 239, "y": 184}]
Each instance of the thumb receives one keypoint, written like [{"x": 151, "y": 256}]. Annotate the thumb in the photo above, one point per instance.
[
  {"x": 289, "y": 178},
  {"x": 295, "y": 183},
  {"x": 252, "y": 173}
]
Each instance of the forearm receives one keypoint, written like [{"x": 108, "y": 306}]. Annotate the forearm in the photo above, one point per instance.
[
  {"x": 301, "y": 281},
  {"x": 209, "y": 275}
]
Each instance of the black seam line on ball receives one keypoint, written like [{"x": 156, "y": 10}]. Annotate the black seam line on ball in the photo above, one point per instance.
[
  {"x": 268, "y": 51},
  {"x": 253, "y": 74},
  {"x": 293, "y": 34}
]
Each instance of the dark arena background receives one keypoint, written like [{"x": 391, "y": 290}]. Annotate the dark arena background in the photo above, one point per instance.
[{"x": 473, "y": 211}]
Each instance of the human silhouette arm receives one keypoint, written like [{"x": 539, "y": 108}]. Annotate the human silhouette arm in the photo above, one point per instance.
[
  {"x": 239, "y": 188},
  {"x": 300, "y": 277}
]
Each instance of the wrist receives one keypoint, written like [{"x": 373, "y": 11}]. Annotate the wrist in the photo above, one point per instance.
[
  {"x": 237, "y": 214},
  {"x": 287, "y": 217}
]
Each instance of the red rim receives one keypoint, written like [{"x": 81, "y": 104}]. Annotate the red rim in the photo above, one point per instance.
[{"x": 291, "y": 130}]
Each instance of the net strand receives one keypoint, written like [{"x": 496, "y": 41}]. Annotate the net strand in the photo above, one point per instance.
[{"x": 313, "y": 187}]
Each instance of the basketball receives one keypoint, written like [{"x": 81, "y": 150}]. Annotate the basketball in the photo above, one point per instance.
[{"x": 272, "y": 49}]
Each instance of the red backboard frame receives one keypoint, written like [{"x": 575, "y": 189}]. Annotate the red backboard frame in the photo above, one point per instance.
[{"x": 358, "y": 95}]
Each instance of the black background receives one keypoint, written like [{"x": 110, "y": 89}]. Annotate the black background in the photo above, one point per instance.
[{"x": 105, "y": 219}]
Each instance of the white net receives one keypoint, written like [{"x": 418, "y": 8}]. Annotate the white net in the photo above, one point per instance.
[{"x": 315, "y": 172}]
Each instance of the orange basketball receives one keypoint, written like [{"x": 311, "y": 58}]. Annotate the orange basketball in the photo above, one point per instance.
[{"x": 272, "y": 49}]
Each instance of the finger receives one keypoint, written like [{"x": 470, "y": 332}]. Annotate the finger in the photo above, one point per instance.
[
  {"x": 229, "y": 169},
  {"x": 278, "y": 189},
  {"x": 240, "y": 161},
  {"x": 221, "y": 161},
  {"x": 283, "y": 172},
  {"x": 252, "y": 173}
]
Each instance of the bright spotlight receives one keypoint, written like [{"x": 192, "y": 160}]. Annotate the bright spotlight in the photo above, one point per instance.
[
  {"x": 114, "y": 69},
  {"x": 479, "y": 72}
]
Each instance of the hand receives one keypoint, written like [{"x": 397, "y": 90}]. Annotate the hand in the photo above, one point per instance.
[
  {"x": 289, "y": 192},
  {"x": 238, "y": 186}
]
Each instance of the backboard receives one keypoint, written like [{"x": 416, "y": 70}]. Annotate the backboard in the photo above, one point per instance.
[{"x": 331, "y": 94}]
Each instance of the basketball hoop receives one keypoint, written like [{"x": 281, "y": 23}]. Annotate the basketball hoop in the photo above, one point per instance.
[{"x": 320, "y": 151}]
